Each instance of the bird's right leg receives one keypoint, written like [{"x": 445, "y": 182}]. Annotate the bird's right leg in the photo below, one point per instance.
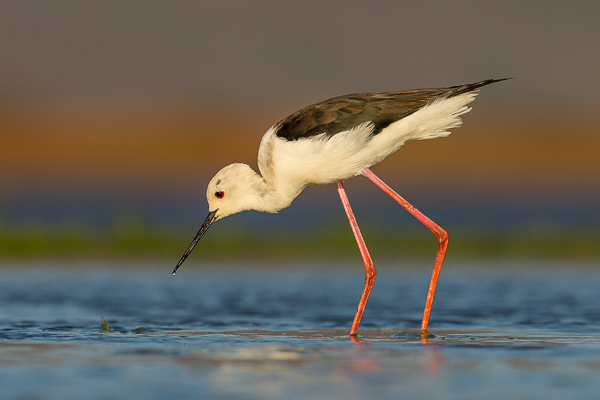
[
  {"x": 438, "y": 231},
  {"x": 370, "y": 271}
]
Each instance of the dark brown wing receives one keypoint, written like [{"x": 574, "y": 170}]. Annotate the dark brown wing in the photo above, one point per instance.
[{"x": 381, "y": 109}]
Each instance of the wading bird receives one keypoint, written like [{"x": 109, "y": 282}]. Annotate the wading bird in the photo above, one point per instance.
[{"x": 334, "y": 140}]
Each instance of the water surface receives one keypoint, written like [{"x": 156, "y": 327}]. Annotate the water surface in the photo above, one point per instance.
[{"x": 498, "y": 331}]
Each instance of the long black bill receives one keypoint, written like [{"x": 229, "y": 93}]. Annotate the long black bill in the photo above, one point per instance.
[{"x": 207, "y": 223}]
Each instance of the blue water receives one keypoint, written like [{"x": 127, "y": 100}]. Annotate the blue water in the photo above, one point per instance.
[{"x": 250, "y": 332}]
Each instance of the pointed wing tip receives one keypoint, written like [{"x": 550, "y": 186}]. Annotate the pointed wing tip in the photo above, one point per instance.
[
  {"x": 493, "y": 80},
  {"x": 472, "y": 87}
]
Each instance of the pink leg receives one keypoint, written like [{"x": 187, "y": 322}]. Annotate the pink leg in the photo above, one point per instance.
[
  {"x": 440, "y": 234},
  {"x": 370, "y": 271}
]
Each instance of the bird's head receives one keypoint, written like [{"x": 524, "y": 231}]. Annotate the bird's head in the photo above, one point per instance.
[{"x": 233, "y": 189}]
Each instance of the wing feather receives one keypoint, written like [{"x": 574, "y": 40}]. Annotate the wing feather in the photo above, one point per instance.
[{"x": 342, "y": 113}]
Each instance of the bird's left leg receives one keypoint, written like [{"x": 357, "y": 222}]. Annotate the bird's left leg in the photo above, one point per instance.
[
  {"x": 370, "y": 271},
  {"x": 438, "y": 231}
]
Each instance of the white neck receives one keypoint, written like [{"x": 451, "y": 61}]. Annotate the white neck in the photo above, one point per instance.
[{"x": 265, "y": 195}]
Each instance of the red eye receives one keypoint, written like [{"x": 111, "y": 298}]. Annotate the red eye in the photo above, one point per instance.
[{"x": 219, "y": 195}]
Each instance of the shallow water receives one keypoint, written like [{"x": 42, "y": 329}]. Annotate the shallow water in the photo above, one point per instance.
[{"x": 501, "y": 331}]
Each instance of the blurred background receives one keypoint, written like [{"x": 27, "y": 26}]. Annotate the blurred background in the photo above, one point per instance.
[{"x": 114, "y": 115}]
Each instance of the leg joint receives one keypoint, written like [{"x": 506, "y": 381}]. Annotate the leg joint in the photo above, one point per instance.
[
  {"x": 442, "y": 235},
  {"x": 370, "y": 273}
]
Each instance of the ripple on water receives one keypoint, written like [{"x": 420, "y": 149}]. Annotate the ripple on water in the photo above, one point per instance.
[{"x": 260, "y": 334}]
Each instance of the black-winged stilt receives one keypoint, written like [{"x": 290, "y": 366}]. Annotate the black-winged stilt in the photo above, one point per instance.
[{"x": 334, "y": 140}]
